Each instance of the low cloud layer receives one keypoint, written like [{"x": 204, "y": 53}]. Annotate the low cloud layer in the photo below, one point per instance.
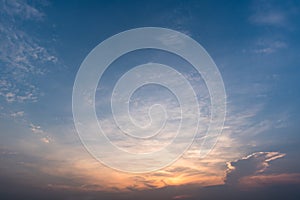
[{"x": 252, "y": 171}]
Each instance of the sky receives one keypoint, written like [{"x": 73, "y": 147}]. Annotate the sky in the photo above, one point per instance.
[{"x": 255, "y": 46}]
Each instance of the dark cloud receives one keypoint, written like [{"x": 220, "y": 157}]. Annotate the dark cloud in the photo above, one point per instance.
[{"x": 253, "y": 164}]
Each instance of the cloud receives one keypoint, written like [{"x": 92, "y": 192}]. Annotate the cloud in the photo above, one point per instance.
[
  {"x": 190, "y": 169},
  {"x": 265, "y": 180},
  {"x": 184, "y": 196},
  {"x": 267, "y": 13},
  {"x": 45, "y": 140},
  {"x": 269, "y": 46},
  {"x": 274, "y": 21},
  {"x": 270, "y": 18},
  {"x": 18, "y": 114},
  {"x": 10, "y": 97},
  {"x": 22, "y": 56},
  {"x": 36, "y": 129},
  {"x": 272, "y": 14},
  {"x": 172, "y": 40},
  {"x": 44, "y": 136},
  {"x": 252, "y": 165},
  {"x": 21, "y": 9}
]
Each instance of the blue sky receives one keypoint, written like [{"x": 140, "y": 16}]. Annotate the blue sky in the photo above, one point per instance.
[{"x": 255, "y": 45}]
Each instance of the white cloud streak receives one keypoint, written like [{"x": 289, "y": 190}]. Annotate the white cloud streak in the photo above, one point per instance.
[
  {"x": 43, "y": 135},
  {"x": 271, "y": 18}
]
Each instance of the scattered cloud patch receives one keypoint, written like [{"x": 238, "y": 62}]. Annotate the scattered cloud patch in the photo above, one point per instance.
[
  {"x": 269, "y": 46},
  {"x": 270, "y": 18},
  {"x": 44, "y": 136},
  {"x": 22, "y": 57},
  {"x": 45, "y": 140},
  {"x": 10, "y": 97},
  {"x": 36, "y": 129},
  {"x": 17, "y": 114},
  {"x": 271, "y": 14},
  {"x": 21, "y": 9}
]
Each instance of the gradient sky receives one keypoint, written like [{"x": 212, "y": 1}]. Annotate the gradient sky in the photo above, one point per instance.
[{"x": 255, "y": 45}]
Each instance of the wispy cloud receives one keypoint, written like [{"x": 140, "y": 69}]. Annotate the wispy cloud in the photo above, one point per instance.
[
  {"x": 16, "y": 8},
  {"x": 268, "y": 13},
  {"x": 22, "y": 56},
  {"x": 269, "y": 17},
  {"x": 44, "y": 136},
  {"x": 274, "y": 20},
  {"x": 17, "y": 114},
  {"x": 269, "y": 46},
  {"x": 45, "y": 140}
]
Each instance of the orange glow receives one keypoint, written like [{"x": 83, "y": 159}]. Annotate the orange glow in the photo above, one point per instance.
[{"x": 94, "y": 176}]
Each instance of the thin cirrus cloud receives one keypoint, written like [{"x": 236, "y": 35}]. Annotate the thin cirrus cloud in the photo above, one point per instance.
[
  {"x": 269, "y": 46},
  {"x": 274, "y": 17},
  {"x": 269, "y": 14},
  {"x": 22, "y": 57},
  {"x": 271, "y": 18}
]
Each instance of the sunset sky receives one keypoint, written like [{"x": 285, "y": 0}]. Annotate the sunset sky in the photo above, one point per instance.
[{"x": 254, "y": 44}]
